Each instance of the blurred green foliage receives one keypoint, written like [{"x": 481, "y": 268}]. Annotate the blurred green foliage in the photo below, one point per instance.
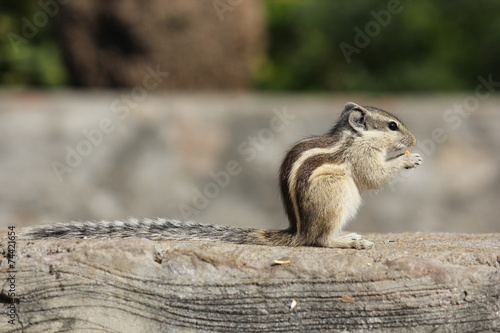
[
  {"x": 427, "y": 45},
  {"x": 29, "y": 57},
  {"x": 316, "y": 45}
]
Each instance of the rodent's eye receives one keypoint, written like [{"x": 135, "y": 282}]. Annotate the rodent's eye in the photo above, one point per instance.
[{"x": 393, "y": 126}]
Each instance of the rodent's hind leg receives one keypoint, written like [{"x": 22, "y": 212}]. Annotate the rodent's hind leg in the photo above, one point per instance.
[
  {"x": 332, "y": 200},
  {"x": 350, "y": 241}
]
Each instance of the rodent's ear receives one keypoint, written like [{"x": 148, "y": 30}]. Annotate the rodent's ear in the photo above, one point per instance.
[
  {"x": 357, "y": 119},
  {"x": 349, "y": 106}
]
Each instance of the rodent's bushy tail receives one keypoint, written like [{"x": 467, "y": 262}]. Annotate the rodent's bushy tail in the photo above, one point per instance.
[{"x": 154, "y": 229}]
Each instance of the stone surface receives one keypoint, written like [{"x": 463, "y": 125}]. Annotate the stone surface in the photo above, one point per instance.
[
  {"x": 161, "y": 153},
  {"x": 411, "y": 282},
  {"x": 208, "y": 45}
]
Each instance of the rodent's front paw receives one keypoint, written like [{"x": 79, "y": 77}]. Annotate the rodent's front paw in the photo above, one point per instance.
[{"x": 412, "y": 160}]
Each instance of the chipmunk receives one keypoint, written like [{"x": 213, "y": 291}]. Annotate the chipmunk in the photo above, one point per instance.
[{"x": 320, "y": 180}]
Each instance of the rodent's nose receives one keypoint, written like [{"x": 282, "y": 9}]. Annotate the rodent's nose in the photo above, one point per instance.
[{"x": 413, "y": 140}]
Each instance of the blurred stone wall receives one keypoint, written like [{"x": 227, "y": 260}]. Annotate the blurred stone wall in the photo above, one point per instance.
[
  {"x": 209, "y": 45},
  {"x": 214, "y": 158}
]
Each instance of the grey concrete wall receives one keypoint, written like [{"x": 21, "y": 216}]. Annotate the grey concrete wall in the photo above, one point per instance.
[{"x": 107, "y": 155}]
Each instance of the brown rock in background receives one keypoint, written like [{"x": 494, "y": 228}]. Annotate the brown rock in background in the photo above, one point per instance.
[{"x": 201, "y": 44}]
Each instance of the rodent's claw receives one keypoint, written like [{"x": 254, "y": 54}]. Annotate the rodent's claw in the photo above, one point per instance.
[
  {"x": 362, "y": 244},
  {"x": 355, "y": 241},
  {"x": 412, "y": 160}
]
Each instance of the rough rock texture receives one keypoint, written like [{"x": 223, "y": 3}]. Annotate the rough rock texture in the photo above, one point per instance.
[
  {"x": 201, "y": 44},
  {"x": 411, "y": 282}
]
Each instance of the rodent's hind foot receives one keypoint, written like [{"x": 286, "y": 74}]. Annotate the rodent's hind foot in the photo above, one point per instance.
[{"x": 351, "y": 241}]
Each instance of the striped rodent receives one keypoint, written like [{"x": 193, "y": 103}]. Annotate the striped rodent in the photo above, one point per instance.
[{"x": 320, "y": 179}]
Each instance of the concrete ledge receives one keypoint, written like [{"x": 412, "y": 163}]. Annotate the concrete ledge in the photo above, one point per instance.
[{"x": 411, "y": 282}]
